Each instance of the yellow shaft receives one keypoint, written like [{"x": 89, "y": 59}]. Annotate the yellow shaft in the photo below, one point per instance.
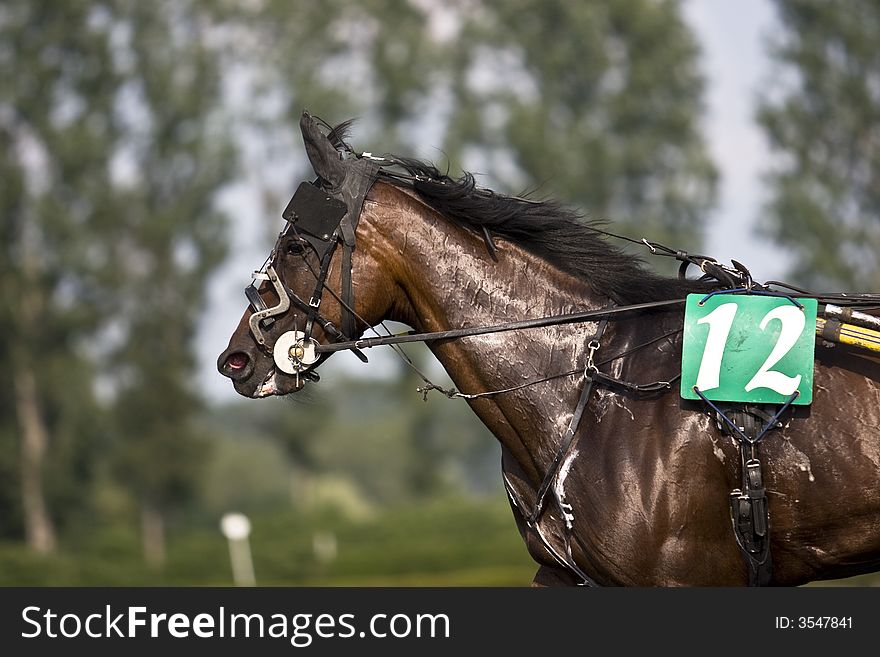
[{"x": 854, "y": 335}]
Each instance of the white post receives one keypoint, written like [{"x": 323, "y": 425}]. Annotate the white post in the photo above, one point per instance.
[
  {"x": 324, "y": 546},
  {"x": 236, "y": 528}
]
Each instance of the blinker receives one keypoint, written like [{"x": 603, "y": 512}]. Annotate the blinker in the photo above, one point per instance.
[{"x": 316, "y": 215}]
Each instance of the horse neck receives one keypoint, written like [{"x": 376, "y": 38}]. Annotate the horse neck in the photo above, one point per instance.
[{"x": 447, "y": 279}]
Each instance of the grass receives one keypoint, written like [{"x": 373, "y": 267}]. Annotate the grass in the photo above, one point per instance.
[{"x": 451, "y": 542}]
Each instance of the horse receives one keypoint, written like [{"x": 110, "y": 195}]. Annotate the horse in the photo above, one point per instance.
[{"x": 639, "y": 490}]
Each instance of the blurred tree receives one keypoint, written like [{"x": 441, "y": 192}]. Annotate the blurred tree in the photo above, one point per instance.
[
  {"x": 56, "y": 129},
  {"x": 822, "y": 116},
  {"x": 595, "y": 103},
  {"x": 111, "y": 151},
  {"x": 172, "y": 157}
]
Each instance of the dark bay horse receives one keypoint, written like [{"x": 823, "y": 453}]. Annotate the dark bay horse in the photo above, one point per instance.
[{"x": 641, "y": 496}]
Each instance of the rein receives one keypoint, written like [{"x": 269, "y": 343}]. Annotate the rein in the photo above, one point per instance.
[{"x": 539, "y": 322}]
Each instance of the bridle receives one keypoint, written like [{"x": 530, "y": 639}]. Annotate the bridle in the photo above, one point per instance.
[{"x": 325, "y": 219}]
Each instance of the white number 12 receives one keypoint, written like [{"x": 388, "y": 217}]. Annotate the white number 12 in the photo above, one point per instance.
[{"x": 720, "y": 321}]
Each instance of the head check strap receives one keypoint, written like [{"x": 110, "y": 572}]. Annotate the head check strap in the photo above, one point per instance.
[{"x": 360, "y": 174}]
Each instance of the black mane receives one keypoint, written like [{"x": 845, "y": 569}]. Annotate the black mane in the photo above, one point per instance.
[
  {"x": 559, "y": 234},
  {"x": 548, "y": 229}
]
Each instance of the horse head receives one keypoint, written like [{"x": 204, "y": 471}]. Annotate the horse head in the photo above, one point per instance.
[{"x": 303, "y": 295}]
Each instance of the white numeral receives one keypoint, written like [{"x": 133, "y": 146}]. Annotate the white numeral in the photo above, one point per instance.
[
  {"x": 719, "y": 320},
  {"x": 793, "y": 321}
]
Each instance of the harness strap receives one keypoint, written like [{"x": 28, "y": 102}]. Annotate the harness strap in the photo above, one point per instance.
[
  {"x": 315, "y": 300},
  {"x": 636, "y": 388},
  {"x": 329, "y": 327},
  {"x": 564, "y": 447},
  {"x": 359, "y": 178},
  {"x": 749, "y": 510},
  {"x": 349, "y": 322},
  {"x": 565, "y": 560}
]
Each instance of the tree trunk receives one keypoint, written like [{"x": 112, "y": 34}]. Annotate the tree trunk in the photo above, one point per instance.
[
  {"x": 153, "y": 535},
  {"x": 38, "y": 525},
  {"x": 39, "y": 529}
]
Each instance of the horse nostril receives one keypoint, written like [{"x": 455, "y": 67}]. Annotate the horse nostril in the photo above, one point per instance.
[
  {"x": 237, "y": 365},
  {"x": 237, "y": 361}
]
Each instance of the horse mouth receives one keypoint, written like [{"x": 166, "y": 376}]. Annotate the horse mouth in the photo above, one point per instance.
[
  {"x": 277, "y": 383},
  {"x": 268, "y": 387}
]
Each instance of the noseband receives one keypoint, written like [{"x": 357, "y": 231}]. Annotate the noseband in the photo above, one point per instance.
[{"x": 324, "y": 217}]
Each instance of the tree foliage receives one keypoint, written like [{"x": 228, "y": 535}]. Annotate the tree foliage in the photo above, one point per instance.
[
  {"x": 110, "y": 156},
  {"x": 171, "y": 237},
  {"x": 56, "y": 127},
  {"x": 594, "y": 103},
  {"x": 822, "y": 117}
]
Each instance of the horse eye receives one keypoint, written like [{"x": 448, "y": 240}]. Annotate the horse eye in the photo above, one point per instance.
[{"x": 295, "y": 248}]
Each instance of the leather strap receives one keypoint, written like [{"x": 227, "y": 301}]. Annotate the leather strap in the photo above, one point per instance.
[
  {"x": 553, "y": 320},
  {"x": 349, "y": 322},
  {"x": 315, "y": 300},
  {"x": 359, "y": 178},
  {"x": 568, "y": 437},
  {"x": 564, "y": 447}
]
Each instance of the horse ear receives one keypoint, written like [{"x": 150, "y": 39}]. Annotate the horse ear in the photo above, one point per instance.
[{"x": 323, "y": 156}]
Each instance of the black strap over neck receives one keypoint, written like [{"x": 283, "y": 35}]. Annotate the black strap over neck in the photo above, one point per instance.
[{"x": 359, "y": 178}]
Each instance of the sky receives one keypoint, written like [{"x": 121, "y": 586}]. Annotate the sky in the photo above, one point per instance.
[{"x": 732, "y": 36}]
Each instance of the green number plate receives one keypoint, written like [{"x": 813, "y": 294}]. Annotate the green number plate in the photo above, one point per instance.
[{"x": 748, "y": 348}]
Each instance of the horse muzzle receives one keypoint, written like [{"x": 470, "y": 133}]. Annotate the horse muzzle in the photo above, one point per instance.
[{"x": 254, "y": 376}]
